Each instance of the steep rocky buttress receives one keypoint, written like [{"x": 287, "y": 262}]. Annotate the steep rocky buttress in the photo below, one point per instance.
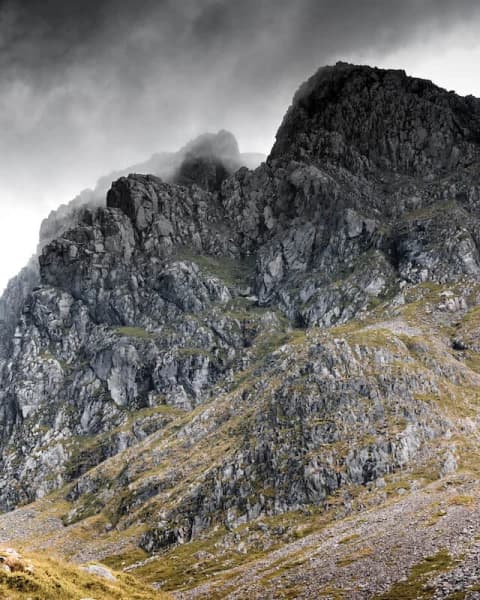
[{"x": 239, "y": 343}]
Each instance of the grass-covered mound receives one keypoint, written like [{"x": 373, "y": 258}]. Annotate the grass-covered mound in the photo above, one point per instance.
[{"x": 40, "y": 578}]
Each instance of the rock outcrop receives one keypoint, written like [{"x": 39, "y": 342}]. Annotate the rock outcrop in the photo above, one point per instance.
[
  {"x": 214, "y": 298},
  {"x": 11, "y": 303},
  {"x": 206, "y": 160}
]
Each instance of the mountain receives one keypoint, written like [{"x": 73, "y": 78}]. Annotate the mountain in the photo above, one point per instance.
[
  {"x": 220, "y": 148},
  {"x": 264, "y": 383}
]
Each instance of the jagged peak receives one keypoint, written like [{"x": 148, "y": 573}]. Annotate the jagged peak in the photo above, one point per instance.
[
  {"x": 366, "y": 118},
  {"x": 222, "y": 144},
  {"x": 208, "y": 160}
]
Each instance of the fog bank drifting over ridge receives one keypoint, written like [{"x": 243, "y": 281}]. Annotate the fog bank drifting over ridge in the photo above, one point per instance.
[
  {"x": 86, "y": 88},
  {"x": 166, "y": 165}
]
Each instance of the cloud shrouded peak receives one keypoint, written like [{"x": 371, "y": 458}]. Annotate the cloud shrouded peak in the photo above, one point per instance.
[{"x": 89, "y": 87}]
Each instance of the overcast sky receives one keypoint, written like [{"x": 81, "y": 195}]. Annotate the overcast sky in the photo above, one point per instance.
[{"x": 91, "y": 86}]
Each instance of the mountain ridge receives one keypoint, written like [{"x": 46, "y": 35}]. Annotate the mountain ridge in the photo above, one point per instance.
[{"x": 261, "y": 345}]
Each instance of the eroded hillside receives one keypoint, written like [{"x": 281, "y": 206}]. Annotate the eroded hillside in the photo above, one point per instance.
[{"x": 211, "y": 371}]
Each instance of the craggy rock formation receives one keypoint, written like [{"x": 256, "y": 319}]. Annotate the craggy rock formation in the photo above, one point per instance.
[
  {"x": 12, "y": 300},
  {"x": 206, "y": 160},
  {"x": 205, "y": 300},
  {"x": 66, "y": 216}
]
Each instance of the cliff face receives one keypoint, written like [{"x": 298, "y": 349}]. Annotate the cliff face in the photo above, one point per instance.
[
  {"x": 370, "y": 120},
  {"x": 251, "y": 343},
  {"x": 11, "y": 303}
]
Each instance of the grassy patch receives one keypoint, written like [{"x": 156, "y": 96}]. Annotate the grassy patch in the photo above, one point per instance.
[
  {"x": 242, "y": 308},
  {"x": 375, "y": 339},
  {"x": 435, "y": 517},
  {"x": 134, "y": 332},
  {"x": 349, "y": 538},
  {"x": 190, "y": 564},
  {"x": 354, "y": 556},
  {"x": 461, "y": 500},
  {"x": 56, "y": 580},
  {"x": 331, "y": 593},
  {"x": 439, "y": 209},
  {"x": 233, "y": 272},
  {"x": 119, "y": 561},
  {"x": 416, "y": 586}
]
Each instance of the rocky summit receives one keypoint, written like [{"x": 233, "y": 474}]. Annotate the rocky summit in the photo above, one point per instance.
[{"x": 261, "y": 383}]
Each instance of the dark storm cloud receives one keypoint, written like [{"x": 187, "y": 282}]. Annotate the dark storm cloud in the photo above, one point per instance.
[
  {"x": 88, "y": 85},
  {"x": 139, "y": 45},
  {"x": 128, "y": 40}
]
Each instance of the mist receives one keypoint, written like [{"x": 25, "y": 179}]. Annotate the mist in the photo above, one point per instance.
[{"x": 87, "y": 88}]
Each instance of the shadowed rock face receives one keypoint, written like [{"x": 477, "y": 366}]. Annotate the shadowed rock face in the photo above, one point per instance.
[
  {"x": 173, "y": 296},
  {"x": 12, "y": 300},
  {"x": 371, "y": 120},
  {"x": 206, "y": 172},
  {"x": 222, "y": 145},
  {"x": 209, "y": 160}
]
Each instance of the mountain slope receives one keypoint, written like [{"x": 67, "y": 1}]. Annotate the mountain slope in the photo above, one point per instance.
[{"x": 293, "y": 343}]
